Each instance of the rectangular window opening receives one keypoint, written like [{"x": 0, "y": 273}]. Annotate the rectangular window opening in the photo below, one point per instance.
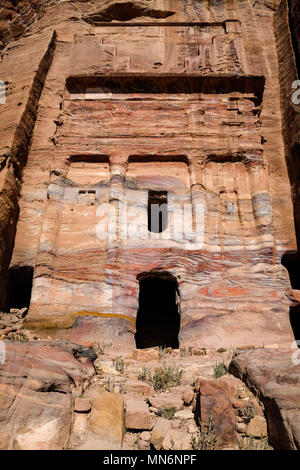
[{"x": 157, "y": 211}]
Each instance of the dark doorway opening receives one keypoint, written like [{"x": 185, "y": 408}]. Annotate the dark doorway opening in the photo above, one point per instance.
[
  {"x": 19, "y": 287},
  {"x": 295, "y": 181},
  {"x": 291, "y": 261},
  {"x": 295, "y": 321},
  {"x": 158, "y": 318}
]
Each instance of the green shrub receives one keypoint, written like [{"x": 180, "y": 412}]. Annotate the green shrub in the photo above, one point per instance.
[
  {"x": 247, "y": 413},
  {"x": 163, "y": 377},
  {"x": 207, "y": 440},
  {"x": 100, "y": 348},
  {"x": 109, "y": 387},
  {"x": 18, "y": 336},
  {"x": 143, "y": 375},
  {"x": 219, "y": 370},
  {"x": 119, "y": 364},
  {"x": 167, "y": 413},
  {"x": 162, "y": 352}
]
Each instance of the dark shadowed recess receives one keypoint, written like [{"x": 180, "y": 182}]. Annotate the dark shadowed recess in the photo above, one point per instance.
[
  {"x": 294, "y": 26},
  {"x": 295, "y": 321},
  {"x": 125, "y": 11},
  {"x": 131, "y": 84},
  {"x": 291, "y": 261},
  {"x": 157, "y": 158},
  {"x": 295, "y": 182},
  {"x": 89, "y": 158},
  {"x": 19, "y": 287},
  {"x": 157, "y": 211},
  {"x": 158, "y": 318}
]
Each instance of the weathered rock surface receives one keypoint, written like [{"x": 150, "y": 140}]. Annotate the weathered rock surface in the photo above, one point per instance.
[
  {"x": 166, "y": 401},
  {"x": 257, "y": 427},
  {"x": 137, "y": 415},
  {"x": 82, "y": 405},
  {"x": 107, "y": 418},
  {"x": 136, "y": 386},
  {"x": 184, "y": 414},
  {"x": 160, "y": 432},
  {"x": 214, "y": 407},
  {"x": 77, "y": 411},
  {"x": 145, "y": 355},
  {"x": 188, "y": 396},
  {"x": 275, "y": 379},
  {"x": 287, "y": 33},
  {"x": 79, "y": 429},
  {"x": 36, "y": 385},
  {"x": 105, "y": 103},
  {"x": 16, "y": 16}
]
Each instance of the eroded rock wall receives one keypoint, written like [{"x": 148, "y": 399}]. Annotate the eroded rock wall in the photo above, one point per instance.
[
  {"x": 273, "y": 376},
  {"x": 23, "y": 70},
  {"x": 286, "y": 23}
]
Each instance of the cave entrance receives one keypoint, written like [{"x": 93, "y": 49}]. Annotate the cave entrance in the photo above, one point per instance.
[
  {"x": 158, "y": 318},
  {"x": 19, "y": 287},
  {"x": 291, "y": 261}
]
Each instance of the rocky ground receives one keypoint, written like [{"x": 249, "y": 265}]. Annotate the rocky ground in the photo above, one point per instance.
[{"x": 60, "y": 395}]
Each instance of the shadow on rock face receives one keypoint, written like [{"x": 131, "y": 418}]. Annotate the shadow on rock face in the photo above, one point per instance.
[{"x": 126, "y": 11}]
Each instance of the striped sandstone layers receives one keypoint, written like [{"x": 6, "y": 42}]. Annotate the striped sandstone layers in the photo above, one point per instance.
[{"x": 110, "y": 101}]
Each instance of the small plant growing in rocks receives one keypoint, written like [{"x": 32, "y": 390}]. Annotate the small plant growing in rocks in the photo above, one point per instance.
[
  {"x": 247, "y": 413},
  {"x": 162, "y": 352},
  {"x": 207, "y": 439},
  {"x": 98, "y": 369},
  {"x": 221, "y": 350},
  {"x": 119, "y": 365},
  {"x": 65, "y": 340},
  {"x": 20, "y": 336},
  {"x": 109, "y": 387},
  {"x": 167, "y": 413},
  {"x": 101, "y": 348},
  {"x": 143, "y": 375},
  {"x": 183, "y": 352},
  {"x": 219, "y": 370},
  {"x": 163, "y": 377}
]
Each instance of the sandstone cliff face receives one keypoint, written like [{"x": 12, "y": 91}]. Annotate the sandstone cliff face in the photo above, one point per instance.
[
  {"x": 15, "y": 17},
  {"x": 114, "y": 102},
  {"x": 288, "y": 40},
  {"x": 18, "y": 118},
  {"x": 295, "y": 29}
]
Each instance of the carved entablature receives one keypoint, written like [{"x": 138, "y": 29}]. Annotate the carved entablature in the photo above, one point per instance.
[{"x": 204, "y": 48}]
